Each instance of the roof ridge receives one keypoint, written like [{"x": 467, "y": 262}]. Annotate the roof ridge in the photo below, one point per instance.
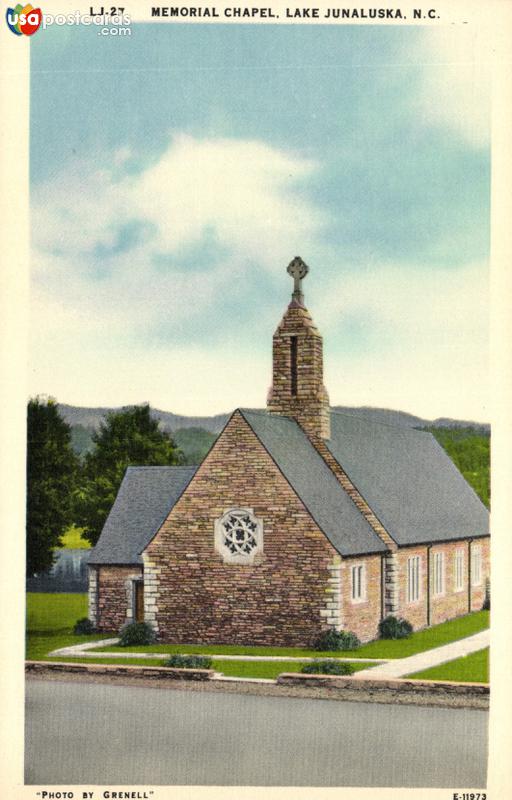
[
  {"x": 162, "y": 466},
  {"x": 377, "y": 422},
  {"x": 305, "y": 491},
  {"x": 407, "y": 428},
  {"x": 262, "y": 412}
]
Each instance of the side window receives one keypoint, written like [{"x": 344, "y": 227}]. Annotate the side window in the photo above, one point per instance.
[
  {"x": 476, "y": 565},
  {"x": 459, "y": 570},
  {"x": 413, "y": 579},
  {"x": 358, "y": 583},
  {"x": 438, "y": 573}
]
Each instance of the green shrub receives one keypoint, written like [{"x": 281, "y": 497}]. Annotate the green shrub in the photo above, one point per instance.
[
  {"x": 83, "y": 626},
  {"x": 337, "y": 640},
  {"x": 136, "y": 633},
  {"x": 394, "y": 628},
  {"x": 328, "y": 666},
  {"x": 189, "y": 662}
]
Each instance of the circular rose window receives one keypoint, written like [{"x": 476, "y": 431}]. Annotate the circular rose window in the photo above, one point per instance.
[
  {"x": 239, "y": 533},
  {"x": 238, "y": 536}
]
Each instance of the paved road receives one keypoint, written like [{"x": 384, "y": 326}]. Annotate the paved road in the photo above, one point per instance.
[{"x": 104, "y": 734}]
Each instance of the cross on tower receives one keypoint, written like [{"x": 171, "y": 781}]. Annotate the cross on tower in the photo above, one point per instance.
[{"x": 298, "y": 270}]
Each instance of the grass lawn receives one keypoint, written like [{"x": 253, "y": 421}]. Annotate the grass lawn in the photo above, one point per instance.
[
  {"x": 418, "y": 642},
  {"x": 263, "y": 669},
  {"x": 50, "y": 621},
  {"x": 238, "y": 669},
  {"x": 473, "y": 668},
  {"x": 50, "y": 613},
  {"x": 72, "y": 539},
  {"x": 51, "y": 617}
]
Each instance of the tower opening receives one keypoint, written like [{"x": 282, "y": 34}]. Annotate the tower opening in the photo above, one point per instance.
[{"x": 293, "y": 364}]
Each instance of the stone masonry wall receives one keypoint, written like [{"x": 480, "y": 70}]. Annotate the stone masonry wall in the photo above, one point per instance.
[
  {"x": 92, "y": 595},
  {"x": 282, "y": 597},
  {"x": 362, "y": 617},
  {"x": 391, "y": 584},
  {"x": 151, "y": 591},
  {"x": 452, "y": 602},
  {"x": 310, "y": 405},
  {"x": 478, "y": 592},
  {"x": 114, "y": 594},
  {"x": 414, "y": 612}
]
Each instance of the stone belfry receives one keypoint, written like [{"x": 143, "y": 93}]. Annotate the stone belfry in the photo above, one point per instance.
[{"x": 297, "y": 364}]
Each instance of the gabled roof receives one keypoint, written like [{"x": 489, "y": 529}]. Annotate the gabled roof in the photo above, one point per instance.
[
  {"x": 314, "y": 483},
  {"x": 144, "y": 499},
  {"x": 408, "y": 480},
  {"x": 404, "y": 475}
]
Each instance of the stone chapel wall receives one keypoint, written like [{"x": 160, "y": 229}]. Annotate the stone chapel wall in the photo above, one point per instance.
[
  {"x": 362, "y": 616},
  {"x": 453, "y": 600},
  {"x": 276, "y": 600},
  {"x": 114, "y": 596}
]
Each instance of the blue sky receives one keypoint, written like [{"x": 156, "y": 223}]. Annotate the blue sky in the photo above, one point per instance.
[{"x": 176, "y": 172}]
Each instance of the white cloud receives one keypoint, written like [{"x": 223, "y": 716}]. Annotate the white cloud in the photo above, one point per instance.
[
  {"x": 243, "y": 189},
  {"x": 86, "y": 294},
  {"x": 89, "y": 313},
  {"x": 91, "y": 307},
  {"x": 243, "y": 193},
  {"x": 454, "y": 89}
]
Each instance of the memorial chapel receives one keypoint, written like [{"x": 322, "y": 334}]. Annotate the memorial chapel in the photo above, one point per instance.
[{"x": 299, "y": 519}]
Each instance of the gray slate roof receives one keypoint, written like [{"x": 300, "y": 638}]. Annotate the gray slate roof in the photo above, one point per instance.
[
  {"x": 404, "y": 475},
  {"x": 315, "y": 484},
  {"x": 145, "y": 497},
  {"x": 408, "y": 480}
]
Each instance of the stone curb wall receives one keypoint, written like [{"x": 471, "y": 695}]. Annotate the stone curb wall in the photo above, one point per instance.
[
  {"x": 284, "y": 679},
  {"x": 121, "y": 669},
  {"x": 315, "y": 687},
  {"x": 399, "y": 685}
]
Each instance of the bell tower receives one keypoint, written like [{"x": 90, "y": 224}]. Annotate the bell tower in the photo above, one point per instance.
[{"x": 297, "y": 364}]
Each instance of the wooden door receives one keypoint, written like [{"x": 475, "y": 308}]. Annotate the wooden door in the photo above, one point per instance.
[{"x": 139, "y": 601}]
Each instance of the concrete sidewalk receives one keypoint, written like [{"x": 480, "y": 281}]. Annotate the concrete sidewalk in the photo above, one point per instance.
[
  {"x": 395, "y": 668},
  {"x": 89, "y": 650},
  {"x": 429, "y": 658},
  {"x": 82, "y": 649}
]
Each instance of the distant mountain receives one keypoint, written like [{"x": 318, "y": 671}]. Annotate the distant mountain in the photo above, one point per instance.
[
  {"x": 90, "y": 418},
  {"x": 194, "y": 443}
]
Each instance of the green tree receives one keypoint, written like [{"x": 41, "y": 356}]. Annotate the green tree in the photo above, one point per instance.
[
  {"x": 130, "y": 437},
  {"x": 51, "y": 475}
]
